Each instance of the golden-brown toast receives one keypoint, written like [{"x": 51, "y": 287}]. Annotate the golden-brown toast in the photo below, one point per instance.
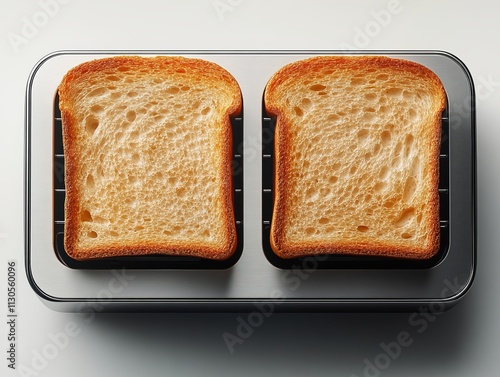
[
  {"x": 357, "y": 146},
  {"x": 148, "y": 151}
]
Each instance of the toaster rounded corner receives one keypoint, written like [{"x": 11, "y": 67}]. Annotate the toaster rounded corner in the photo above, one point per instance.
[
  {"x": 454, "y": 290},
  {"x": 48, "y": 300}
]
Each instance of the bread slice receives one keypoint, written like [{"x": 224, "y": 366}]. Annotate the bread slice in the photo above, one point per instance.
[
  {"x": 148, "y": 152},
  {"x": 357, "y": 144}
]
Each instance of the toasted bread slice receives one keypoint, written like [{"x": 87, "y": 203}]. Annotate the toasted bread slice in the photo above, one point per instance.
[
  {"x": 148, "y": 151},
  {"x": 357, "y": 146}
]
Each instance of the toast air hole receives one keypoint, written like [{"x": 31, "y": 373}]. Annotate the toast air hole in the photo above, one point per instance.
[
  {"x": 317, "y": 87},
  {"x": 131, "y": 115},
  {"x": 91, "y": 124},
  {"x": 298, "y": 111},
  {"x": 86, "y": 216}
]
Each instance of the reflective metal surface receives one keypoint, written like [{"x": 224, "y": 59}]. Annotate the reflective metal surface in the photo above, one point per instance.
[{"x": 252, "y": 278}]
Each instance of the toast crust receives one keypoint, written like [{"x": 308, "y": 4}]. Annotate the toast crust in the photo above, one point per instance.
[
  {"x": 193, "y": 69},
  {"x": 274, "y": 99}
]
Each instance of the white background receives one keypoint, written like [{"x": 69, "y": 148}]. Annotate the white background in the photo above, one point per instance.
[{"x": 462, "y": 342}]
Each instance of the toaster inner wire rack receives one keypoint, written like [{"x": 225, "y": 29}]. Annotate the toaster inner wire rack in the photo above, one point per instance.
[
  {"x": 146, "y": 261},
  {"x": 337, "y": 261}
]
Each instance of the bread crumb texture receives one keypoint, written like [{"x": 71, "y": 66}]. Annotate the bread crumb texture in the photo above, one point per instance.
[
  {"x": 147, "y": 144},
  {"x": 357, "y": 157}
]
